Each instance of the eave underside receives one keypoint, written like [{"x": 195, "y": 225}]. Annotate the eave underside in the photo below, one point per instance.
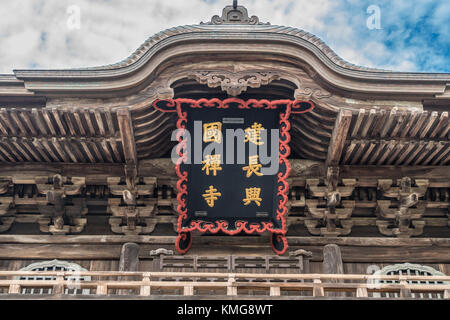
[{"x": 92, "y": 135}]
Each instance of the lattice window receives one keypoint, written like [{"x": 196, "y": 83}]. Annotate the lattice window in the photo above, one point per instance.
[
  {"x": 409, "y": 269},
  {"x": 55, "y": 265}
]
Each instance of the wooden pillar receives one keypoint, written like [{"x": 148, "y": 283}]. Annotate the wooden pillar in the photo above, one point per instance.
[
  {"x": 129, "y": 261},
  {"x": 58, "y": 289},
  {"x": 129, "y": 257},
  {"x": 332, "y": 259},
  {"x": 318, "y": 289},
  {"x": 332, "y": 264},
  {"x": 404, "y": 292}
]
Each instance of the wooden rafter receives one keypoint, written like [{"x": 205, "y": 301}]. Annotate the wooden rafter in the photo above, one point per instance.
[
  {"x": 338, "y": 137},
  {"x": 129, "y": 145}
]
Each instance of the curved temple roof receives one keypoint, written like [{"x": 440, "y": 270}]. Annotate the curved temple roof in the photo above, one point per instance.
[
  {"x": 67, "y": 130},
  {"x": 233, "y": 27}
]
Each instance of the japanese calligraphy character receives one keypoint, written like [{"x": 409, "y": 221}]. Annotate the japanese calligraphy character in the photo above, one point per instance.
[
  {"x": 252, "y": 194},
  {"x": 211, "y": 195},
  {"x": 212, "y": 132},
  {"x": 253, "y": 134},
  {"x": 212, "y": 163},
  {"x": 253, "y": 166}
]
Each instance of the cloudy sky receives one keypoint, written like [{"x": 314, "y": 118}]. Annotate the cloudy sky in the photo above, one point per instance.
[{"x": 407, "y": 35}]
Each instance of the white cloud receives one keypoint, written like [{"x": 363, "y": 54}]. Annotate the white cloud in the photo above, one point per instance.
[{"x": 34, "y": 33}]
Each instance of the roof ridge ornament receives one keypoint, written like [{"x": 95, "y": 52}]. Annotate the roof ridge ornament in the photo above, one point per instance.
[{"x": 235, "y": 14}]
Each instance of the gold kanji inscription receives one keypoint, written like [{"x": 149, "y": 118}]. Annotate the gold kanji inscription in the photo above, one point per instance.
[
  {"x": 252, "y": 194},
  {"x": 211, "y": 195},
  {"x": 211, "y": 163},
  {"x": 253, "y": 166},
  {"x": 212, "y": 132},
  {"x": 253, "y": 134}
]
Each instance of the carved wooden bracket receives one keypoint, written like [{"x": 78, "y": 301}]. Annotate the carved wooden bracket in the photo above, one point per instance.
[
  {"x": 6, "y": 223},
  {"x": 404, "y": 187},
  {"x": 137, "y": 211},
  {"x": 403, "y": 217},
  {"x": 315, "y": 227},
  {"x": 59, "y": 228},
  {"x": 6, "y": 205},
  {"x": 130, "y": 213},
  {"x": 147, "y": 225},
  {"x": 69, "y": 186},
  {"x": 130, "y": 218},
  {"x": 234, "y": 83},
  {"x": 386, "y": 211},
  {"x": 317, "y": 209},
  {"x": 144, "y": 187},
  {"x": 60, "y": 216},
  {"x": 329, "y": 212},
  {"x": 5, "y": 185},
  {"x": 326, "y": 191},
  {"x": 296, "y": 199},
  {"x": 387, "y": 228}
]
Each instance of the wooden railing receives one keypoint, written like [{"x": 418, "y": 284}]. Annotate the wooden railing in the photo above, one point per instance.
[{"x": 134, "y": 284}]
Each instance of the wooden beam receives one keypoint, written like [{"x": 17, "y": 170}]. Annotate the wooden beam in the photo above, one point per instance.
[
  {"x": 74, "y": 251},
  {"x": 170, "y": 240},
  {"x": 164, "y": 169},
  {"x": 127, "y": 135},
  {"x": 339, "y": 137},
  {"x": 353, "y": 250}
]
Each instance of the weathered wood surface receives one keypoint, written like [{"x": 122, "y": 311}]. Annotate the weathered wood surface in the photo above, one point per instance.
[
  {"x": 332, "y": 263},
  {"x": 127, "y": 136},
  {"x": 318, "y": 284},
  {"x": 59, "y": 135},
  {"x": 163, "y": 169},
  {"x": 339, "y": 137},
  {"x": 129, "y": 257},
  {"x": 332, "y": 260},
  {"x": 360, "y": 250},
  {"x": 129, "y": 261},
  {"x": 156, "y": 240}
]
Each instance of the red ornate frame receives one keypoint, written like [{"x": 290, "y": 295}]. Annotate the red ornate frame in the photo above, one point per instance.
[{"x": 184, "y": 239}]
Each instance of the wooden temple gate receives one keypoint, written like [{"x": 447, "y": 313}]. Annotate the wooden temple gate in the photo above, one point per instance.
[{"x": 87, "y": 183}]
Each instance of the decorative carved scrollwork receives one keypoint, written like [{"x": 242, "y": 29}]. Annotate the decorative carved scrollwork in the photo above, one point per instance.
[
  {"x": 234, "y": 83},
  {"x": 308, "y": 92},
  {"x": 235, "y": 15},
  {"x": 161, "y": 251}
]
